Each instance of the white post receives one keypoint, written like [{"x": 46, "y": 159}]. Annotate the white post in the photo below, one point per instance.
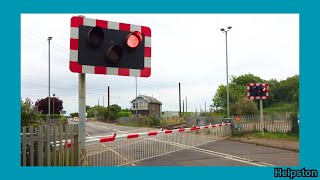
[
  {"x": 82, "y": 159},
  {"x": 261, "y": 117}
]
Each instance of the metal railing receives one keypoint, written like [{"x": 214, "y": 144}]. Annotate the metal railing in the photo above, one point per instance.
[{"x": 127, "y": 149}]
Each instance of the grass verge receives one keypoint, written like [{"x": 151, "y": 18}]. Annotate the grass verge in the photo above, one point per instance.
[{"x": 270, "y": 135}]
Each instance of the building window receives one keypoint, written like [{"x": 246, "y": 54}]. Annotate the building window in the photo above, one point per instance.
[
  {"x": 141, "y": 105},
  {"x": 133, "y": 105},
  {"x": 137, "y": 106}
]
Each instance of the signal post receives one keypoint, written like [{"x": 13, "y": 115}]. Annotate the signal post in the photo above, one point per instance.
[
  {"x": 108, "y": 48},
  {"x": 258, "y": 91}
]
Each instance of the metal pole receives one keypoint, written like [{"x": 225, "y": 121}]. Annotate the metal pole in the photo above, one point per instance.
[
  {"x": 205, "y": 107},
  {"x": 103, "y": 107},
  {"x": 183, "y": 107},
  {"x": 49, "y": 39},
  {"x": 53, "y": 103},
  {"x": 48, "y": 115},
  {"x": 261, "y": 117},
  {"x": 136, "y": 98},
  {"x": 82, "y": 159},
  {"x": 179, "y": 101},
  {"x": 186, "y": 106},
  {"x": 227, "y": 73},
  {"x": 108, "y": 103}
]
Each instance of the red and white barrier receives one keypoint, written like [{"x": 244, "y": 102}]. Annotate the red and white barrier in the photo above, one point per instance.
[{"x": 114, "y": 137}]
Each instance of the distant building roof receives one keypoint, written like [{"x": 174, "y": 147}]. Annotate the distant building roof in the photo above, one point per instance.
[{"x": 149, "y": 99}]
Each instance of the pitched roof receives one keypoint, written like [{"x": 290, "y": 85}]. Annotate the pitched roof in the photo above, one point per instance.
[{"x": 149, "y": 99}]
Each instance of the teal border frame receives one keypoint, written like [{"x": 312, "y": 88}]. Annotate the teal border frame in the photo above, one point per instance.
[{"x": 10, "y": 87}]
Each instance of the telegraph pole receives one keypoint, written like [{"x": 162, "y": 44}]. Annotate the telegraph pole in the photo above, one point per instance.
[
  {"x": 136, "y": 98},
  {"x": 103, "y": 107},
  {"x": 179, "y": 101},
  {"x": 186, "y": 106},
  {"x": 183, "y": 107},
  {"x": 205, "y": 107},
  {"x": 108, "y": 103}
]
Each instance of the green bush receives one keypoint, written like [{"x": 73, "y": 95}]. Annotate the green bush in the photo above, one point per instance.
[
  {"x": 281, "y": 108},
  {"x": 29, "y": 112},
  {"x": 124, "y": 114},
  {"x": 63, "y": 119},
  {"x": 154, "y": 121},
  {"x": 42, "y": 117}
]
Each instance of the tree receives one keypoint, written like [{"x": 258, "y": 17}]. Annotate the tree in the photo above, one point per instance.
[
  {"x": 245, "y": 107},
  {"x": 280, "y": 93},
  {"x": 114, "y": 110},
  {"x": 75, "y": 114},
  {"x": 237, "y": 90},
  {"x": 42, "y": 105},
  {"x": 29, "y": 112}
]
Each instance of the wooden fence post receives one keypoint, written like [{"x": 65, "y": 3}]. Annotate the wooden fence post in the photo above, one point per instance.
[
  {"x": 24, "y": 152},
  {"x": 31, "y": 146},
  {"x": 40, "y": 146}
]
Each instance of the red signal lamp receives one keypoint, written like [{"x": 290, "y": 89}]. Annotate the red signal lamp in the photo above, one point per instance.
[{"x": 134, "y": 39}]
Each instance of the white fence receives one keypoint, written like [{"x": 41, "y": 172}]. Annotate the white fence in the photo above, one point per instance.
[
  {"x": 249, "y": 123},
  {"x": 281, "y": 126}
]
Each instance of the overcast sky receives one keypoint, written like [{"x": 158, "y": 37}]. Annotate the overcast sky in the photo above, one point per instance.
[{"x": 186, "y": 48}]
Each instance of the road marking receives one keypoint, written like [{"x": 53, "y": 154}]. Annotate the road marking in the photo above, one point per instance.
[
  {"x": 107, "y": 148},
  {"x": 223, "y": 155}
]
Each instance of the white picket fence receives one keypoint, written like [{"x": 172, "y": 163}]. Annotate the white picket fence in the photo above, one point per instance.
[
  {"x": 46, "y": 145},
  {"x": 282, "y": 126}
]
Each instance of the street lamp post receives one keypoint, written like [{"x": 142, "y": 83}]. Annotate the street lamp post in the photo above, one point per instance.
[
  {"x": 48, "y": 116},
  {"x": 226, "y": 32}
]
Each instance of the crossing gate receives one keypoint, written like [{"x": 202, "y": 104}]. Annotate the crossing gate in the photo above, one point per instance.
[{"x": 126, "y": 149}]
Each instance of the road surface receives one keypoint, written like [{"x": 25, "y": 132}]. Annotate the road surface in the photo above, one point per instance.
[{"x": 259, "y": 155}]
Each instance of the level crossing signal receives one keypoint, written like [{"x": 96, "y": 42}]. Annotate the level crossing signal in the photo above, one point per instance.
[{"x": 110, "y": 48}]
